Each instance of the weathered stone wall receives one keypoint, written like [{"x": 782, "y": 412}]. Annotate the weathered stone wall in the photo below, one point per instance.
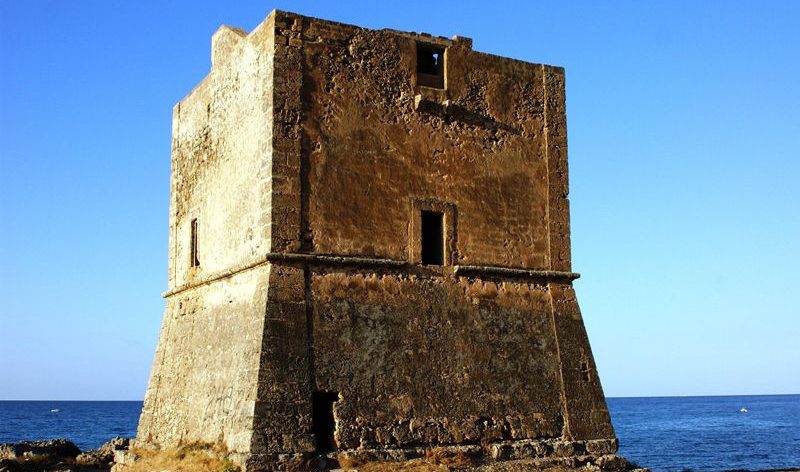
[
  {"x": 432, "y": 360},
  {"x": 371, "y": 154},
  {"x": 204, "y": 381},
  {"x": 306, "y": 157},
  {"x": 373, "y": 148},
  {"x": 203, "y": 384},
  {"x": 584, "y": 403},
  {"x": 221, "y": 149},
  {"x": 283, "y": 407}
]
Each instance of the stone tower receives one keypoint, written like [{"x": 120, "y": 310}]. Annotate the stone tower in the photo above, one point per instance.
[{"x": 370, "y": 251}]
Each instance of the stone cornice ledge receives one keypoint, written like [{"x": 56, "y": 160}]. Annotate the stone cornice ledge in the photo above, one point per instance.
[
  {"x": 356, "y": 261},
  {"x": 510, "y": 272},
  {"x": 289, "y": 258},
  {"x": 352, "y": 261}
]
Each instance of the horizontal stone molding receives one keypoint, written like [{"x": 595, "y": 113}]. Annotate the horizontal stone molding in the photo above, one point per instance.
[
  {"x": 288, "y": 258},
  {"x": 333, "y": 260},
  {"x": 215, "y": 277},
  {"x": 510, "y": 272}
]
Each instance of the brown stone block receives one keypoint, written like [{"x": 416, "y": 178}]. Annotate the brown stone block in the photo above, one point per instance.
[{"x": 601, "y": 446}]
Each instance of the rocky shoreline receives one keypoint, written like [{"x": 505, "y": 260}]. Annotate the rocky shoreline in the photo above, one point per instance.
[{"x": 59, "y": 455}]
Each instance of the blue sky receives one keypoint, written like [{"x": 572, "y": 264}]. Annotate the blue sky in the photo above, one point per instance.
[{"x": 684, "y": 135}]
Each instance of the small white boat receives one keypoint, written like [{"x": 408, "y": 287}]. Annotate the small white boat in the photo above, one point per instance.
[
  {"x": 743, "y": 410},
  {"x": 55, "y": 410}
]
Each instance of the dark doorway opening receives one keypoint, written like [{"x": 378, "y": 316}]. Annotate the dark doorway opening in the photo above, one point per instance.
[
  {"x": 323, "y": 420},
  {"x": 432, "y": 237}
]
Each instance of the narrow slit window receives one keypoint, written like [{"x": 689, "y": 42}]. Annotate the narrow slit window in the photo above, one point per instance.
[
  {"x": 430, "y": 65},
  {"x": 432, "y": 237},
  {"x": 585, "y": 371},
  {"x": 194, "y": 258},
  {"x": 323, "y": 421}
]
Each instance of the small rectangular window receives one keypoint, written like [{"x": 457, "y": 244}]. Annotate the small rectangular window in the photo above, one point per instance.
[
  {"x": 430, "y": 65},
  {"x": 432, "y": 237},
  {"x": 195, "y": 260}
]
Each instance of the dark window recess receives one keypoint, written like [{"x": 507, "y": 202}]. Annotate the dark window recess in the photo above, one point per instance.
[
  {"x": 432, "y": 238},
  {"x": 323, "y": 421},
  {"x": 430, "y": 65},
  {"x": 195, "y": 260},
  {"x": 585, "y": 371}
]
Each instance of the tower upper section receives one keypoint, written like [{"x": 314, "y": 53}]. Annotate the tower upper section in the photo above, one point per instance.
[{"x": 310, "y": 136}]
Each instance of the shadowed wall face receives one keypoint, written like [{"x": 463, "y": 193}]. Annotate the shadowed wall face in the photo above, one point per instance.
[
  {"x": 401, "y": 170},
  {"x": 416, "y": 361},
  {"x": 371, "y": 151},
  {"x": 435, "y": 361}
]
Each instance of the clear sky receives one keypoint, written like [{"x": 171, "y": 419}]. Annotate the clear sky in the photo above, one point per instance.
[{"x": 684, "y": 135}]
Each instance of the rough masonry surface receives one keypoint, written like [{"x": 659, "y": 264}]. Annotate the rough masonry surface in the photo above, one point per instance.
[{"x": 314, "y": 170}]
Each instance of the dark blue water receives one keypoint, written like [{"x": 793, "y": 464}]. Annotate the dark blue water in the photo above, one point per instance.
[
  {"x": 665, "y": 434},
  {"x": 709, "y": 433},
  {"x": 87, "y": 424}
]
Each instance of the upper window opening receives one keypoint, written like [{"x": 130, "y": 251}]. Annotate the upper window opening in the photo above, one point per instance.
[
  {"x": 430, "y": 65},
  {"x": 194, "y": 260},
  {"x": 432, "y": 237}
]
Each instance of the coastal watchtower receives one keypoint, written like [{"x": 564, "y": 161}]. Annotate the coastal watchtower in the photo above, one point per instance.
[{"x": 370, "y": 251}]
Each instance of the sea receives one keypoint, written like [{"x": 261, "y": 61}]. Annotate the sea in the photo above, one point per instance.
[{"x": 680, "y": 434}]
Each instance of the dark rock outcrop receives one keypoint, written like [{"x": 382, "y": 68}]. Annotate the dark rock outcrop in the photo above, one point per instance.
[
  {"x": 58, "y": 455},
  {"x": 29, "y": 449}
]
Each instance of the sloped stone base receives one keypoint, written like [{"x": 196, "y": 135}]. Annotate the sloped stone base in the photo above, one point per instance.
[{"x": 507, "y": 456}]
